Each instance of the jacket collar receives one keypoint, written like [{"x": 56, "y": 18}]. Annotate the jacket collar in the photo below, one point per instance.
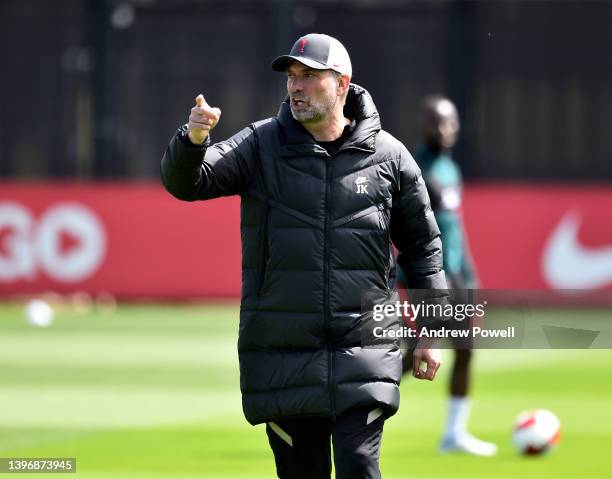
[{"x": 359, "y": 106}]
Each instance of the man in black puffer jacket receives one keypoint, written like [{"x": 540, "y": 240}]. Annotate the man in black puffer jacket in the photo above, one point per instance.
[{"x": 324, "y": 190}]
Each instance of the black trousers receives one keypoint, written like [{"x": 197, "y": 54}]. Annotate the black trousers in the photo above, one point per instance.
[{"x": 302, "y": 446}]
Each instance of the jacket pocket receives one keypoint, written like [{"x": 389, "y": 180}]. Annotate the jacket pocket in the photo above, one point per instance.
[
  {"x": 264, "y": 253},
  {"x": 384, "y": 213},
  {"x": 360, "y": 214}
]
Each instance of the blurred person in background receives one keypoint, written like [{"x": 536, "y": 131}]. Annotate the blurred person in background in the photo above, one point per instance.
[
  {"x": 440, "y": 122},
  {"x": 323, "y": 192}
]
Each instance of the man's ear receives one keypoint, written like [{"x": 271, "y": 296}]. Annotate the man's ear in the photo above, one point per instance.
[{"x": 343, "y": 84}]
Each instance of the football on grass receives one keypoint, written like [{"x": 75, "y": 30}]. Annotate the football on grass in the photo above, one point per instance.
[{"x": 536, "y": 432}]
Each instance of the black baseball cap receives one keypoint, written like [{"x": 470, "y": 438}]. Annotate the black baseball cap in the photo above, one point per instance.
[{"x": 318, "y": 51}]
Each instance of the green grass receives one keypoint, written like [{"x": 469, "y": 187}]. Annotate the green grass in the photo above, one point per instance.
[{"x": 152, "y": 391}]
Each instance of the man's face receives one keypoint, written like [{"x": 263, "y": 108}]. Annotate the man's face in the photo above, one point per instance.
[
  {"x": 442, "y": 125},
  {"x": 313, "y": 93}
]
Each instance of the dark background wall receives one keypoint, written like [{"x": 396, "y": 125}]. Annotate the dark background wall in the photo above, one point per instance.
[{"x": 94, "y": 89}]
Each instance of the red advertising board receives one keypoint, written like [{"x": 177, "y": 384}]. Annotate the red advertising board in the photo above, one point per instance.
[
  {"x": 136, "y": 241},
  {"x": 540, "y": 237},
  {"x": 131, "y": 240}
]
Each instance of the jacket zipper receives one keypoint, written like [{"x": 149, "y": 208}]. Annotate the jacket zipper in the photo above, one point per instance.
[{"x": 330, "y": 352}]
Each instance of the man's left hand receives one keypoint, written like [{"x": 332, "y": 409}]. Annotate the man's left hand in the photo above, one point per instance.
[{"x": 432, "y": 357}]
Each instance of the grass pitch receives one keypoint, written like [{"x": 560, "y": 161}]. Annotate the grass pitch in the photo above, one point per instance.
[{"x": 152, "y": 391}]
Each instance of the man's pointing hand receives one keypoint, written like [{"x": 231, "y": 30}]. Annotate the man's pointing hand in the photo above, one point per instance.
[{"x": 202, "y": 119}]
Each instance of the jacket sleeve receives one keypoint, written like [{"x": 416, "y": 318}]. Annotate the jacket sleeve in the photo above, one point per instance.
[
  {"x": 414, "y": 230},
  {"x": 201, "y": 172}
]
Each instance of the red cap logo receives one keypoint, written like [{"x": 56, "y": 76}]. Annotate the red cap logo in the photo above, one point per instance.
[{"x": 301, "y": 45}]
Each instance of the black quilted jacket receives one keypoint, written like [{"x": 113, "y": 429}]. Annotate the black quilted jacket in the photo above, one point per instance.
[{"x": 316, "y": 231}]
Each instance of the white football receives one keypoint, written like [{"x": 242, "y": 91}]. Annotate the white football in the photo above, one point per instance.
[
  {"x": 536, "y": 432},
  {"x": 39, "y": 313}
]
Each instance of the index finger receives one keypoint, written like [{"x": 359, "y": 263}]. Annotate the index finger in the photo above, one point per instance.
[{"x": 200, "y": 101}]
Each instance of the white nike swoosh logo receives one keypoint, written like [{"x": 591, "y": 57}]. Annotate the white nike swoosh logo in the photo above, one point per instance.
[
  {"x": 360, "y": 181},
  {"x": 566, "y": 264}
]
